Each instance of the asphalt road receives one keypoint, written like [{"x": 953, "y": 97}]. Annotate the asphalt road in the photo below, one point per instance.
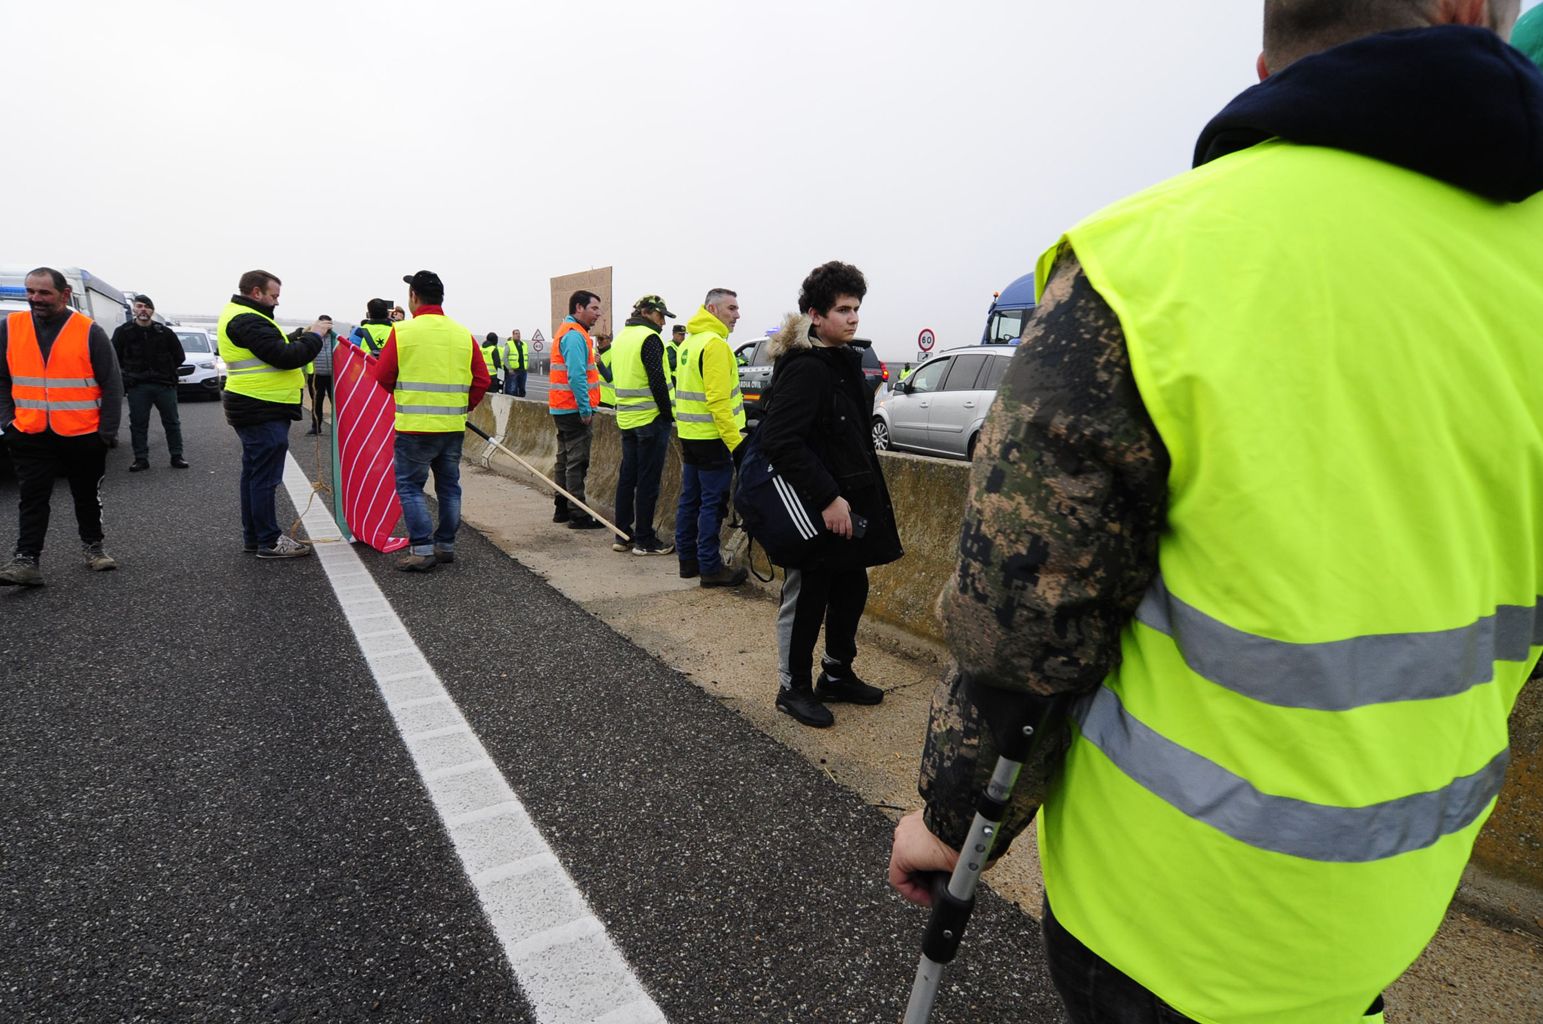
[{"x": 210, "y": 815}]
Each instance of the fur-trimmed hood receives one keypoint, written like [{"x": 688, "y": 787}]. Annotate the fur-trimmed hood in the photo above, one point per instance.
[{"x": 794, "y": 334}]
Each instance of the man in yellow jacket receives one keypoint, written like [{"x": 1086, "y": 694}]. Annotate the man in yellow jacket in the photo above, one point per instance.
[
  {"x": 710, "y": 419},
  {"x": 1247, "y": 499}
]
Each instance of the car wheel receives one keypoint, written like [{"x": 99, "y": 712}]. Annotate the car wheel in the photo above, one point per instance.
[
  {"x": 969, "y": 451},
  {"x": 880, "y": 434}
]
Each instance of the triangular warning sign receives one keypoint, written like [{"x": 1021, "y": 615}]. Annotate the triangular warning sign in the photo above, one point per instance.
[{"x": 537, "y": 336}]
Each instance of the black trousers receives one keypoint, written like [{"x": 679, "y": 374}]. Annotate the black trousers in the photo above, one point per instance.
[
  {"x": 321, "y": 390},
  {"x": 835, "y": 597},
  {"x": 38, "y": 459}
]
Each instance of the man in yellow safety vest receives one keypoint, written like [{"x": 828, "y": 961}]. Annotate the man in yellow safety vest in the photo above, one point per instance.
[
  {"x": 433, "y": 367},
  {"x": 643, "y": 415},
  {"x": 1260, "y": 492}
]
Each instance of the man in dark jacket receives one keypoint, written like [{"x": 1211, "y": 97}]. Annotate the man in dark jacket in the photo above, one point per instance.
[
  {"x": 262, "y": 397},
  {"x": 149, "y": 355},
  {"x": 815, "y": 432}
]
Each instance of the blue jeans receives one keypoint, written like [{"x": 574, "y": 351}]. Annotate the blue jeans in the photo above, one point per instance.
[
  {"x": 704, "y": 494},
  {"x": 514, "y": 383},
  {"x": 416, "y": 454},
  {"x": 263, "y": 447},
  {"x": 637, "y": 486}
]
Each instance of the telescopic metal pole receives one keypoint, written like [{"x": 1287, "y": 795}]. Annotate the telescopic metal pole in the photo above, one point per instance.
[
  {"x": 1015, "y": 726},
  {"x": 953, "y": 904}
]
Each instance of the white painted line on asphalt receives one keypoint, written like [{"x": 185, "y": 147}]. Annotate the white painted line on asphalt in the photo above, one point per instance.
[{"x": 568, "y": 968}]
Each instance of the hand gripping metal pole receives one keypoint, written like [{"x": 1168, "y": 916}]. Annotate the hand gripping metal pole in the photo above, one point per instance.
[
  {"x": 953, "y": 904},
  {"x": 550, "y": 483}
]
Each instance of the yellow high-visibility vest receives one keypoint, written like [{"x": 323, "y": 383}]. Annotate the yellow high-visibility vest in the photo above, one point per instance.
[
  {"x": 250, "y": 376},
  {"x": 433, "y": 382}
]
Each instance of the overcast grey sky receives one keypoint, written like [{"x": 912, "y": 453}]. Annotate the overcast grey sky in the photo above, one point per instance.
[{"x": 173, "y": 144}]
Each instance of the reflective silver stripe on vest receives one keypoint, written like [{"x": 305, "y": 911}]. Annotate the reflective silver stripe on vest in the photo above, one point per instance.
[
  {"x": 637, "y": 407},
  {"x": 694, "y": 417},
  {"x": 35, "y": 382},
  {"x": 691, "y": 396},
  {"x": 242, "y": 364},
  {"x": 634, "y": 393},
  {"x": 430, "y": 410},
  {"x": 448, "y": 389},
  {"x": 1209, "y": 793},
  {"x": 1341, "y": 674},
  {"x": 70, "y": 382},
  {"x": 31, "y": 403},
  {"x": 94, "y": 403}
]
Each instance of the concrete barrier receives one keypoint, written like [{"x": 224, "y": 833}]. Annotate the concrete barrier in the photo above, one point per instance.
[{"x": 929, "y": 495}]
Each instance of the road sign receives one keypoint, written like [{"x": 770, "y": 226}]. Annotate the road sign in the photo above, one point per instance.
[
  {"x": 537, "y": 343},
  {"x": 926, "y": 339}
]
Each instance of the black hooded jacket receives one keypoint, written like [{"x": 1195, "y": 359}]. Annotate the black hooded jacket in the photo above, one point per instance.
[
  {"x": 1452, "y": 103},
  {"x": 147, "y": 355}
]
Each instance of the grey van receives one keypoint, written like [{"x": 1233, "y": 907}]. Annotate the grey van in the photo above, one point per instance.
[{"x": 939, "y": 408}]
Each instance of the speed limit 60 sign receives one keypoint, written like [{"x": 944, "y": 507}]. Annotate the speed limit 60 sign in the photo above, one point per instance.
[{"x": 926, "y": 339}]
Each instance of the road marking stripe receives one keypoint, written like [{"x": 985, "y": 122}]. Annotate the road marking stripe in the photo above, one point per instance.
[{"x": 569, "y": 970}]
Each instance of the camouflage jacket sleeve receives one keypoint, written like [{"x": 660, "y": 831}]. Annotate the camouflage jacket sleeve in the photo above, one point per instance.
[{"x": 1067, "y": 496}]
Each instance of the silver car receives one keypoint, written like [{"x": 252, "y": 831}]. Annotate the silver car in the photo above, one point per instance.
[{"x": 939, "y": 408}]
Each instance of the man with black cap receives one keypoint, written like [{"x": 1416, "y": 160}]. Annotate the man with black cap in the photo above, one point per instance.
[
  {"x": 643, "y": 415},
  {"x": 672, "y": 349},
  {"x": 149, "y": 355},
  {"x": 434, "y": 369},
  {"x": 375, "y": 328}
]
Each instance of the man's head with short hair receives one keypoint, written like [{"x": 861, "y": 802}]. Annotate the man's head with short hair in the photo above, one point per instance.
[
  {"x": 584, "y": 307},
  {"x": 723, "y": 304},
  {"x": 1294, "y": 29},
  {"x": 514, "y": 335},
  {"x": 492, "y": 338},
  {"x": 377, "y": 309},
  {"x": 830, "y": 297},
  {"x": 48, "y": 293},
  {"x": 258, "y": 285}
]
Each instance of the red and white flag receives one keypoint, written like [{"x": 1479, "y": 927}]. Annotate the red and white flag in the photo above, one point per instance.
[{"x": 366, "y": 428}]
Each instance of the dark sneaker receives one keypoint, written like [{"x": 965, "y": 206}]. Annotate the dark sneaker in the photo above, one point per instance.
[
  {"x": 178, "y": 462},
  {"x": 582, "y": 522},
  {"x": 847, "y": 689},
  {"x": 688, "y": 570},
  {"x": 22, "y": 572},
  {"x": 620, "y": 546},
  {"x": 137, "y": 465},
  {"x": 417, "y": 563},
  {"x": 653, "y": 547},
  {"x": 444, "y": 556},
  {"x": 98, "y": 560},
  {"x": 723, "y": 577},
  {"x": 285, "y": 547},
  {"x": 804, "y": 708},
  {"x": 250, "y": 549},
  {"x": 560, "y": 516}
]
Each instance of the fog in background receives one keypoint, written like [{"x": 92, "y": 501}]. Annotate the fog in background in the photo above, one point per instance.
[{"x": 168, "y": 146}]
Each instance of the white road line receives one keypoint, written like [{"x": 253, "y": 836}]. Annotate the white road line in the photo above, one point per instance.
[{"x": 567, "y": 966}]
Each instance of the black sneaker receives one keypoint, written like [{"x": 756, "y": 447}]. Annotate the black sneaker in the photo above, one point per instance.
[
  {"x": 620, "y": 546},
  {"x": 137, "y": 465},
  {"x": 560, "y": 516},
  {"x": 724, "y": 577},
  {"x": 585, "y": 523},
  {"x": 178, "y": 462},
  {"x": 249, "y": 549},
  {"x": 653, "y": 547},
  {"x": 847, "y": 689},
  {"x": 688, "y": 570},
  {"x": 800, "y": 703}
]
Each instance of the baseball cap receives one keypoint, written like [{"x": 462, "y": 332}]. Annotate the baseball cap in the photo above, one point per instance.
[
  {"x": 652, "y": 303},
  {"x": 679, "y": 328},
  {"x": 423, "y": 280}
]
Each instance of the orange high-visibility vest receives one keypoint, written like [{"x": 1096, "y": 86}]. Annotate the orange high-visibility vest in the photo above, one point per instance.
[
  {"x": 63, "y": 395},
  {"x": 559, "y": 397}
]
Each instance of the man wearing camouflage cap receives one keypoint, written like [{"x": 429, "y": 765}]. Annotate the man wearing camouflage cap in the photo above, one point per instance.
[{"x": 642, "y": 390}]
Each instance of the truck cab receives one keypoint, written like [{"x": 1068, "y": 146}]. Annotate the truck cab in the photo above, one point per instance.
[{"x": 1009, "y": 313}]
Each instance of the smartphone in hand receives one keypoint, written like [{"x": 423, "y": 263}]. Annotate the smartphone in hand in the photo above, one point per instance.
[{"x": 859, "y": 526}]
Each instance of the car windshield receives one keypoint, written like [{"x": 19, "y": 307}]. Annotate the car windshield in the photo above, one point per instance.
[
  {"x": 929, "y": 377},
  {"x": 192, "y": 342}
]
